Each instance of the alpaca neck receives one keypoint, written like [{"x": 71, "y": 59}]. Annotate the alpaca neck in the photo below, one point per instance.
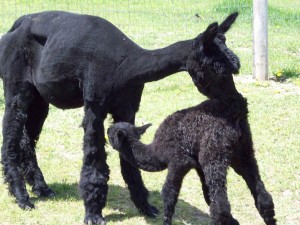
[
  {"x": 142, "y": 156},
  {"x": 238, "y": 106},
  {"x": 151, "y": 65},
  {"x": 234, "y": 100},
  {"x": 232, "y": 107},
  {"x": 228, "y": 98}
]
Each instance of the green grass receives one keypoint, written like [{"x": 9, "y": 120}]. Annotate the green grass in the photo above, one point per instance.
[
  {"x": 274, "y": 118},
  {"x": 274, "y": 114}
]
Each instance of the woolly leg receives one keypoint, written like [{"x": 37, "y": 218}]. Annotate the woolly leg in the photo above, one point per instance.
[
  {"x": 132, "y": 176},
  {"x": 204, "y": 186},
  {"x": 139, "y": 194},
  {"x": 246, "y": 166},
  {"x": 206, "y": 194},
  {"x": 37, "y": 114},
  {"x": 215, "y": 172},
  {"x": 16, "y": 106},
  {"x": 95, "y": 172},
  {"x": 171, "y": 189}
]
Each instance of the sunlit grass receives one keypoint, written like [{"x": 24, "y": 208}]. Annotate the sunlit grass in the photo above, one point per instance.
[{"x": 274, "y": 118}]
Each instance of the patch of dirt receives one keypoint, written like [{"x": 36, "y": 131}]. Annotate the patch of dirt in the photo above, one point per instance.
[{"x": 280, "y": 87}]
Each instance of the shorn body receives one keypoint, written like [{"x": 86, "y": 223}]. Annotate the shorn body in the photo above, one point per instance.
[
  {"x": 209, "y": 137},
  {"x": 70, "y": 60}
]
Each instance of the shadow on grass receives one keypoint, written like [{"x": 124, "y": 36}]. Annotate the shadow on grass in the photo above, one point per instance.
[
  {"x": 63, "y": 191},
  {"x": 118, "y": 199}
]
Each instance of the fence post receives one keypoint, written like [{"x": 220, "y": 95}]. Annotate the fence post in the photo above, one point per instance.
[{"x": 260, "y": 39}]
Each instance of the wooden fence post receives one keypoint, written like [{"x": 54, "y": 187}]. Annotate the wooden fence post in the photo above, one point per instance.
[{"x": 260, "y": 39}]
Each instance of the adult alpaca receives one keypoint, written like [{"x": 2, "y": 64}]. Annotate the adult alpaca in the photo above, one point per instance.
[
  {"x": 69, "y": 61},
  {"x": 209, "y": 137}
]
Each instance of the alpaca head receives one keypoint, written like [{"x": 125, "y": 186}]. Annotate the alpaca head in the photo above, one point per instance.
[
  {"x": 120, "y": 133},
  {"x": 212, "y": 63}
]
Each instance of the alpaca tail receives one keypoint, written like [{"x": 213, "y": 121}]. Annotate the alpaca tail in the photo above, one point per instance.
[
  {"x": 16, "y": 24},
  {"x": 1, "y": 53}
]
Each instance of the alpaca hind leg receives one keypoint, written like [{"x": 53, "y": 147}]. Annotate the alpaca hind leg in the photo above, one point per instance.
[
  {"x": 37, "y": 114},
  {"x": 94, "y": 172},
  {"x": 171, "y": 189},
  {"x": 204, "y": 186},
  {"x": 247, "y": 167},
  {"x": 17, "y": 101}
]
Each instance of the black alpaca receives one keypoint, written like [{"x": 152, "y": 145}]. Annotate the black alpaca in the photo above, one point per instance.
[
  {"x": 69, "y": 61},
  {"x": 209, "y": 137}
]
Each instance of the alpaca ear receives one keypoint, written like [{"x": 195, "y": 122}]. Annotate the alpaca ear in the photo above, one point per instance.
[
  {"x": 121, "y": 135},
  {"x": 141, "y": 130},
  {"x": 210, "y": 34},
  {"x": 224, "y": 27},
  {"x": 117, "y": 139},
  {"x": 205, "y": 39}
]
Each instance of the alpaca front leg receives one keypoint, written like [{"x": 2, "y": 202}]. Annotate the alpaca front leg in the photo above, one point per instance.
[
  {"x": 171, "y": 189},
  {"x": 215, "y": 177},
  {"x": 132, "y": 175},
  {"x": 205, "y": 190},
  {"x": 138, "y": 192},
  {"x": 94, "y": 173},
  {"x": 248, "y": 169}
]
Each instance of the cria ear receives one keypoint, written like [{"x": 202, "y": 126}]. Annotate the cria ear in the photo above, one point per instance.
[
  {"x": 118, "y": 139},
  {"x": 209, "y": 34},
  {"x": 224, "y": 27},
  {"x": 141, "y": 130},
  {"x": 121, "y": 134}
]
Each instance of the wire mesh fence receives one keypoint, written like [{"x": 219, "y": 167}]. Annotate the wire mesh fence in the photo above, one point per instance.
[
  {"x": 130, "y": 15},
  {"x": 156, "y": 23}
]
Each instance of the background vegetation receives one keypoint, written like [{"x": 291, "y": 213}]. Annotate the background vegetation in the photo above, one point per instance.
[{"x": 274, "y": 112}]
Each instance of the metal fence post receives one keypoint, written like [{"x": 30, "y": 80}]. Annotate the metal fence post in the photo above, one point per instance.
[{"x": 260, "y": 39}]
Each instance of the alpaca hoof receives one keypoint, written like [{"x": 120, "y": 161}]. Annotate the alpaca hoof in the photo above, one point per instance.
[
  {"x": 270, "y": 221},
  {"x": 44, "y": 192},
  {"x": 26, "y": 205},
  {"x": 150, "y": 211},
  {"x": 265, "y": 207},
  {"x": 92, "y": 219},
  {"x": 233, "y": 221},
  {"x": 167, "y": 221}
]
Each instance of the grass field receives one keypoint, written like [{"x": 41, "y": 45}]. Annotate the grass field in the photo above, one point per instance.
[{"x": 274, "y": 114}]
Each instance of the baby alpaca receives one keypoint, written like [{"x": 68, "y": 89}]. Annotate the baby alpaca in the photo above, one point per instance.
[{"x": 209, "y": 137}]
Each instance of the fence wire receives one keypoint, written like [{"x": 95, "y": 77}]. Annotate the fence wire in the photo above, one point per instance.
[{"x": 155, "y": 23}]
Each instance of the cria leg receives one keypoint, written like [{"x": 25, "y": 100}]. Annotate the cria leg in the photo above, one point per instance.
[
  {"x": 215, "y": 172},
  {"x": 171, "y": 189},
  {"x": 205, "y": 189},
  {"x": 246, "y": 166}
]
